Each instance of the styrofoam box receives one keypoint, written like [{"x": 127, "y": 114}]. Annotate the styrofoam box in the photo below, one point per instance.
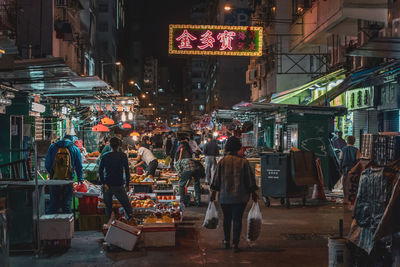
[
  {"x": 159, "y": 237},
  {"x": 122, "y": 235},
  {"x": 56, "y": 226}
]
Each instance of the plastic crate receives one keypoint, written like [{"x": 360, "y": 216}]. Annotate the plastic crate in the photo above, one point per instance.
[{"x": 88, "y": 205}]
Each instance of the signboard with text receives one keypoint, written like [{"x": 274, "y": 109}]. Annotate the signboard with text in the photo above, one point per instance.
[
  {"x": 215, "y": 40},
  {"x": 360, "y": 98}
]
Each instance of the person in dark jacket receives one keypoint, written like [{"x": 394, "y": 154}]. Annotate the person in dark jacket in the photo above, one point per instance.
[
  {"x": 349, "y": 156},
  {"x": 111, "y": 169},
  {"x": 211, "y": 151},
  {"x": 234, "y": 182},
  {"x": 184, "y": 151},
  {"x": 61, "y": 195}
]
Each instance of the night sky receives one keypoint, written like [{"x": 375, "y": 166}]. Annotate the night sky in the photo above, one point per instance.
[{"x": 156, "y": 17}]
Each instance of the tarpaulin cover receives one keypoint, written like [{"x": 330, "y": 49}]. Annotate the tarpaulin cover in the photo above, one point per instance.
[{"x": 377, "y": 193}]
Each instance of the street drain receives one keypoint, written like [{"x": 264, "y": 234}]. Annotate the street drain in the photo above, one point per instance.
[{"x": 304, "y": 236}]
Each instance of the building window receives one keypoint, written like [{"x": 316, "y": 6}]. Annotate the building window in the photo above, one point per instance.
[
  {"x": 103, "y": 27},
  {"x": 103, "y": 7}
]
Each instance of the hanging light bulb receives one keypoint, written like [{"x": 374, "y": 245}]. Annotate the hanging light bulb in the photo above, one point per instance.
[
  {"x": 130, "y": 116},
  {"x": 123, "y": 117}
]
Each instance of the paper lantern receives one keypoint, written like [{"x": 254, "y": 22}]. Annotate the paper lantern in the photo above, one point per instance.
[
  {"x": 135, "y": 134},
  {"x": 126, "y": 126},
  {"x": 107, "y": 121},
  {"x": 100, "y": 128}
]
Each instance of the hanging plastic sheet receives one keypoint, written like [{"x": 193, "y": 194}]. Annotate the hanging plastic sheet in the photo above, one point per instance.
[{"x": 377, "y": 193}]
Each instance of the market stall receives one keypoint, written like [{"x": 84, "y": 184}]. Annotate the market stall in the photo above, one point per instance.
[{"x": 155, "y": 213}]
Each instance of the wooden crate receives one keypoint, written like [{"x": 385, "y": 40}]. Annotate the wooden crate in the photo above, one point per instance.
[
  {"x": 367, "y": 142},
  {"x": 381, "y": 149},
  {"x": 91, "y": 222}
]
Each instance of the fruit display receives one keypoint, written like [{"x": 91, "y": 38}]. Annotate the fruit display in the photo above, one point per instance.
[
  {"x": 148, "y": 203},
  {"x": 171, "y": 209},
  {"x": 135, "y": 178},
  {"x": 143, "y": 196},
  {"x": 94, "y": 154},
  {"x": 171, "y": 197},
  {"x": 168, "y": 174}
]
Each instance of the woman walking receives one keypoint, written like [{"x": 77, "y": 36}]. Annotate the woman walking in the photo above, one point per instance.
[{"x": 234, "y": 182}]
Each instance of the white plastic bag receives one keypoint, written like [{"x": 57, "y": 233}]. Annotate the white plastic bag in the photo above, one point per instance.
[
  {"x": 211, "y": 219},
  {"x": 254, "y": 221}
]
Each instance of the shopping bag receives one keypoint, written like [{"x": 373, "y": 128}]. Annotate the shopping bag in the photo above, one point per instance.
[
  {"x": 254, "y": 220},
  {"x": 211, "y": 219}
]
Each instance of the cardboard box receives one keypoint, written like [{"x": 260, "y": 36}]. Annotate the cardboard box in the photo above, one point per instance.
[
  {"x": 159, "y": 237},
  {"x": 56, "y": 226},
  {"x": 122, "y": 235}
]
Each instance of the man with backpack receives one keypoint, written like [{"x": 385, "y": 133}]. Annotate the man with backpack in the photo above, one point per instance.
[{"x": 63, "y": 158}]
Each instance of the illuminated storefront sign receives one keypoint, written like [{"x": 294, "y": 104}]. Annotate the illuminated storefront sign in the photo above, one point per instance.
[
  {"x": 215, "y": 40},
  {"x": 360, "y": 98}
]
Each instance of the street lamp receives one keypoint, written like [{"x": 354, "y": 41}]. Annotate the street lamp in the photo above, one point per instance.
[
  {"x": 227, "y": 8},
  {"x": 132, "y": 82}
]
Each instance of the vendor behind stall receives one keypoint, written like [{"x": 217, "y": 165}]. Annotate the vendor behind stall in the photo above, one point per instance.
[
  {"x": 63, "y": 158},
  {"x": 114, "y": 163},
  {"x": 146, "y": 156}
]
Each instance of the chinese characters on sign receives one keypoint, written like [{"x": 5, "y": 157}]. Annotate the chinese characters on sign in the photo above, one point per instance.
[
  {"x": 359, "y": 98},
  {"x": 215, "y": 40}
]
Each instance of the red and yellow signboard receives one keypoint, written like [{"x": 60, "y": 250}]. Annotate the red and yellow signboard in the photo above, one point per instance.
[{"x": 215, "y": 40}]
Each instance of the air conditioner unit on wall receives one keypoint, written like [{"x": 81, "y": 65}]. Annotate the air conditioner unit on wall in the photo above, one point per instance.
[{"x": 396, "y": 27}]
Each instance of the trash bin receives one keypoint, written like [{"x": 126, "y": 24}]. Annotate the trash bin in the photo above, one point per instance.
[{"x": 276, "y": 180}]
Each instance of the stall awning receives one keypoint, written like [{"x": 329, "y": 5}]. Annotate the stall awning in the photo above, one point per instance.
[
  {"x": 272, "y": 107},
  {"x": 382, "y": 47},
  {"x": 53, "y": 78},
  {"x": 286, "y": 97},
  {"x": 363, "y": 78}
]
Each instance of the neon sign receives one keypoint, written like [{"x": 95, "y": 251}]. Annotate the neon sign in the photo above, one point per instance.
[{"x": 215, "y": 40}]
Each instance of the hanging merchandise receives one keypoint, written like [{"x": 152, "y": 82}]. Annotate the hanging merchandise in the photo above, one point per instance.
[
  {"x": 107, "y": 121},
  {"x": 123, "y": 117}
]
